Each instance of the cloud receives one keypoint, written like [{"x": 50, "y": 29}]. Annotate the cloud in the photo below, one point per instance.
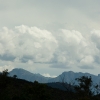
[
  {"x": 78, "y": 15},
  {"x": 65, "y": 49},
  {"x": 77, "y": 50},
  {"x": 60, "y": 65},
  {"x": 2, "y": 68},
  {"x": 95, "y": 36},
  {"x": 27, "y": 43},
  {"x": 48, "y": 75}
]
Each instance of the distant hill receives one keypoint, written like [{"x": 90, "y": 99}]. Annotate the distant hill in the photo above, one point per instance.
[
  {"x": 68, "y": 77},
  {"x": 23, "y": 74}
]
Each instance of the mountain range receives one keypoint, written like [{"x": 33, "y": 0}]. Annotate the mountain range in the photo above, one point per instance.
[{"x": 68, "y": 77}]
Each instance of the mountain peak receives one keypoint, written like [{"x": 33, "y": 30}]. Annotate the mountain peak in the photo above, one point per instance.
[
  {"x": 24, "y": 74},
  {"x": 68, "y": 76}
]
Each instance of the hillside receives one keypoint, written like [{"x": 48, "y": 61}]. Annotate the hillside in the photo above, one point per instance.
[
  {"x": 24, "y": 74},
  {"x": 19, "y": 89},
  {"x": 12, "y": 88}
]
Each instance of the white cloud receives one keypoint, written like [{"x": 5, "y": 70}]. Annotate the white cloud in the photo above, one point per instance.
[
  {"x": 48, "y": 75},
  {"x": 76, "y": 50},
  {"x": 95, "y": 36},
  {"x": 66, "y": 49},
  {"x": 87, "y": 60},
  {"x": 9, "y": 67},
  {"x": 26, "y": 43},
  {"x": 74, "y": 46}
]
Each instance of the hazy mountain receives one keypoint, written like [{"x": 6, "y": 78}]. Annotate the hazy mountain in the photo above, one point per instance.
[
  {"x": 23, "y": 74},
  {"x": 70, "y": 77},
  {"x": 64, "y": 77}
]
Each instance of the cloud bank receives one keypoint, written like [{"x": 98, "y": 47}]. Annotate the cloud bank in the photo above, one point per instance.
[{"x": 62, "y": 49}]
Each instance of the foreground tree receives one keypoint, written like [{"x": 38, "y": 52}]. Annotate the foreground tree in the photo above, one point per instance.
[
  {"x": 14, "y": 76},
  {"x": 84, "y": 87},
  {"x": 5, "y": 72}
]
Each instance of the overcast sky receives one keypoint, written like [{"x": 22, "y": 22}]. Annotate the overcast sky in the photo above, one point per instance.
[{"x": 50, "y": 36}]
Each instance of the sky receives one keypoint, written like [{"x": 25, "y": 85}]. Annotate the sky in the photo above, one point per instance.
[{"x": 50, "y": 36}]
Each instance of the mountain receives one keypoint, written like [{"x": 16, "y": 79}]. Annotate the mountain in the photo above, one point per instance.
[
  {"x": 23, "y": 74},
  {"x": 68, "y": 77}
]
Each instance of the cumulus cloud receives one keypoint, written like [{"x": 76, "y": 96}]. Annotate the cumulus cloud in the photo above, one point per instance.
[
  {"x": 27, "y": 43},
  {"x": 76, "y": 49},
  {"x": 65, "y": 49}
]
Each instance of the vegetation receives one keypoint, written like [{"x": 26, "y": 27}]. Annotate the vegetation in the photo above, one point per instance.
[
  {"x": 84, "y": 86},
  {"x": 12, "y": 88}
]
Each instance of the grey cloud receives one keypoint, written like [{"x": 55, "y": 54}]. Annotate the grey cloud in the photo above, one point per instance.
[
  {"x": 86, "y": 67},
  {"x": 60, "y": 65},
  {"x": 25, "y": 59},
  {"x": 97, "y": 59},
  {"x": 79, "y": 15},
  {"x": 7, "y": 57}
]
